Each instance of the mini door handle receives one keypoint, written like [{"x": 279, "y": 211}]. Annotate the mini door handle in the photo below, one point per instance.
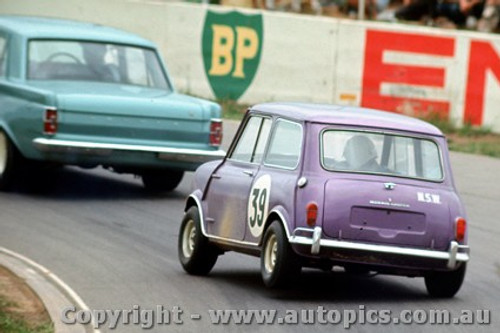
[
  {"x": 248, "y": 172},
  {"x": 215, "y": 176}
]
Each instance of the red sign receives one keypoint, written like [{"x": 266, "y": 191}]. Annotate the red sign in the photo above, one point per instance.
[{"x": 482, "y": 58}]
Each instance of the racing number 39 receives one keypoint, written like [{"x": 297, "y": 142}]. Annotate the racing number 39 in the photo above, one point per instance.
[
  {"x": 259, "y": 197},
  {"x": 258, "y": 204}
]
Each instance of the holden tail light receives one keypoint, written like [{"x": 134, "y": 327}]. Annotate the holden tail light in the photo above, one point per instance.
[
  {"x": 215, "y": 132},
  {"x": 50, "y": 121}
]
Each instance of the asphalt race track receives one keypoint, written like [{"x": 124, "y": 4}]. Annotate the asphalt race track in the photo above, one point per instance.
[{"x": 117, "y": 248}]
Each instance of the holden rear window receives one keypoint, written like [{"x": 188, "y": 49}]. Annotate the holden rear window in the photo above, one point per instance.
[
  {"x": 381, "y": 153},
  {"x": 99, "y": 62},
  {"x": 3, "y": 56}
]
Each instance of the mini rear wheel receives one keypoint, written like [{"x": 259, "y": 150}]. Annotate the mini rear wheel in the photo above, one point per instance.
[
  {"x": 445, "y": 284},
  {"x": 196, "y": 254},
  {"x": 279, "y": 265}
]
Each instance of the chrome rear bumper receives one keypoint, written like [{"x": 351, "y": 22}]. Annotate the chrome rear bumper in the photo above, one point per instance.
[
  {"x": 105, "y": 149},
  {"x": 312, "y": 237}
]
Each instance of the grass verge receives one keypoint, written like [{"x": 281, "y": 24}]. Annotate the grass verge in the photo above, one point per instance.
[
  {"x": 483, "y": 145},
  {"x": 11, "y": 322},
  {"x": 232, "y": 109},
  {"x": 468, "y": 139},
  {"x": 21, "y": 311}
]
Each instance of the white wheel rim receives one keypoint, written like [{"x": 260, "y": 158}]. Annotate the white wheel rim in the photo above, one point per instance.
[
  {"x": 188, "y": 239},
  {"x": 271, "y": 253},
  {"x": 3, "y": 152}
]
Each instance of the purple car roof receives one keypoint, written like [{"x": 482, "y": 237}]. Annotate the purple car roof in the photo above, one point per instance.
[{"x": 347, "y": 115}]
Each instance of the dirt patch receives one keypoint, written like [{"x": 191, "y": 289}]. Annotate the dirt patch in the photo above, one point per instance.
[
  {"x": 485, "y": 138},
  {"x": 484, "y": 144},
  {"x": 19, "y": 301}
]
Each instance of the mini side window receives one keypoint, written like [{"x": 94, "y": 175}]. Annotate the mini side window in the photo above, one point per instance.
[
  {"x": 285, "y": 146},
  {"x": 252, "y": 142},
  {"x": 3, "y": 56}
]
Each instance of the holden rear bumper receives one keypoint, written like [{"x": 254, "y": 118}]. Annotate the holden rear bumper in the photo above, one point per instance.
[
  {"x": 106, "y": 149},
  {"x": 312, "y": 237}
]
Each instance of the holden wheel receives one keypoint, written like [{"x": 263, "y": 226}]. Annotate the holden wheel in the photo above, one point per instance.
[
  {"x": 279, "y": 264},
  {"x": 161, "y": 181},
  {"x": 8, "y": 163},
  {"x": 196, "y": 254}
]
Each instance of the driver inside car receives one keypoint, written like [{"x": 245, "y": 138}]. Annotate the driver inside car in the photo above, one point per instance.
[
  {"x": 94, "y": 55},
  {"x": 360, "y": 154}
]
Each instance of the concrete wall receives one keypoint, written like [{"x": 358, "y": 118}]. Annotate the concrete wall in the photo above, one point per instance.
[{"x": 257, "y": 56}]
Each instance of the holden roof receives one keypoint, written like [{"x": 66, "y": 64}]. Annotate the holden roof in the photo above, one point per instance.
[
  {"x": 347, "y": 115},
  {"x": 40, "y": 27}
]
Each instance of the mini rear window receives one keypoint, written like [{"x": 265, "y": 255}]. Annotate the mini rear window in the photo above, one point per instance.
[{"x": 381, "y": 153}]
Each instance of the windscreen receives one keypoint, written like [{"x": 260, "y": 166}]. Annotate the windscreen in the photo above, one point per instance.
[
  {"x": 98, "y": 62},
  {"x": 381, "y": 153}
]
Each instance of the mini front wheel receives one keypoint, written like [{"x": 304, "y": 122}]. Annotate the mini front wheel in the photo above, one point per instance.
[{"x": 196, "y": 254}]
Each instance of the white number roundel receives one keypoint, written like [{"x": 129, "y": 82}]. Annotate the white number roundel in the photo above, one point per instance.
[{"x": 258, "y": 204}]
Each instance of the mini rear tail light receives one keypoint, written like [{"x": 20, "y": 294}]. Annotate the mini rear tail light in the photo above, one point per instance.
[
  {"x": 311, "y": 213},
  {"x": 50, "y": 121},
  {"x": 215, "y": 132},
  {"x": 460, "y": 228}
]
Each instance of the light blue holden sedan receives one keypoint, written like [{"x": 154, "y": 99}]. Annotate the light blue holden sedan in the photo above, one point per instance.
[{"x": 82, "y": 94}]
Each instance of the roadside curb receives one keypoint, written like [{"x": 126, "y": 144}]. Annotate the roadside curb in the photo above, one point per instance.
[{"x": 53, "y": 292}]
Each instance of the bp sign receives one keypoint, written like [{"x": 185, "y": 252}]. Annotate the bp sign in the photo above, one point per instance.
[{"x": 231, "y": 46}]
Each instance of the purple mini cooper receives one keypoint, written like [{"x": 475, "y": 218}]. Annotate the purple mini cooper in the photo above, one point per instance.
[{"x": 307, "y": 185}]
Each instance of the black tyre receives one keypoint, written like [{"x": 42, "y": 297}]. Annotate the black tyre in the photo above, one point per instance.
[
  {"x": 9, "y": 162},
  {"x": 196, "y": 254},
  {"x": 38, "y": 177},
  {"x": 279, "y": 264},
  {"x": 161, "y": 181},
  {"x": 445, "y": 284}
]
